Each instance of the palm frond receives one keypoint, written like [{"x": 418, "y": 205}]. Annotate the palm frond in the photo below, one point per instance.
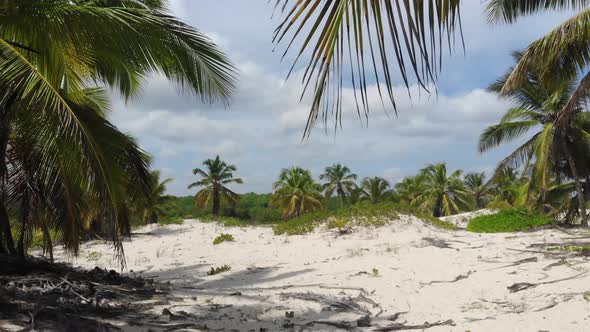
[{"x": 356, "y": 36}]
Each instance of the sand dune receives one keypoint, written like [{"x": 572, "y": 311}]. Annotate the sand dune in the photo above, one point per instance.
[{"x": 406, "y": 273}]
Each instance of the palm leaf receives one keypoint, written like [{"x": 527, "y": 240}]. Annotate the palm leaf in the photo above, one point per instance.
[{"x": 359, "y": 34}]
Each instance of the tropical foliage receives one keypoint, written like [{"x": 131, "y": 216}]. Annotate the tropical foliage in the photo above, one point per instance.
[
  {"x": 556, "y": 58},
  {"x": 63, "y": 165},
  {"x": 151, "y": 208},
  {"x": 385, "y": 40},
  {"x": 339, "y": 180},
  {"x": 443, "y": 194},
  {"x": 215, "y": 178},
  {"x": 375, "y": 189},
  {"x": 537, "y": 104},
  {"x": 296, "y": 192}
]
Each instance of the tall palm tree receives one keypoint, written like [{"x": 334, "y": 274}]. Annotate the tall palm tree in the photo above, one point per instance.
[
  {"x": 562, "y": 53},
  {"x": 51, "y": 67},
  {"x": 338, "y": 179},
  {"x": 375, "y": 189},
  {"x": 443, "y": 194},
  {"x": 296, "y": 193},
  {"x": 152, "y": 208},
  {"x": 479, "y": 188},
  {"x": 214, "y": 178},
  {"x": 384, "y": 39}
]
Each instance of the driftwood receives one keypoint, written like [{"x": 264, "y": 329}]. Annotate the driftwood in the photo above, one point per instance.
[
  {"x": 344, "y": 325},
  {"x": 459, "y": 277},
  {"x": 343, "y": 304},
  {"x": 403, "y": 327},
  {"x": 519, "y": 286}
]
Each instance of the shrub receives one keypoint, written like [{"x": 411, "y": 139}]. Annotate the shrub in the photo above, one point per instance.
[
  {"x": 218, "y": 270},
  {"x": 362, "y": 214},
  {"x": 510, "y": 220},
  {"x": 223, "y": 238}
]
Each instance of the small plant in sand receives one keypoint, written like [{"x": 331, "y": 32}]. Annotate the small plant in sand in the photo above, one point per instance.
[
  {"x": 223, "y": 238},
  {"x": 375, "y": 273},
  {"x": 94, "y": 256},
  {"x": 218, "y": 270}
]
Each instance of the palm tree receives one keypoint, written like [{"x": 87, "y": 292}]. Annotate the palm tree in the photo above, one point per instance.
[
  {"x": 443, "y": 194},
  {"x": 537, "y": 107},
  {"x": 153, "y": 205},
  {"x": 338, "y": 179},
  {"x": 409, "y": 188},
  {"x": 561, "y": 54},
  {"x": 480, "y": 190},
  {"x": 296, "y": 192},
  {"x": 375, "y": 189},
  {"x": 43, "y": 193},
  {"x": 214, "y": 179},
  {"x": 50, "y": 74},
  {"x": 381, "y": 37}
]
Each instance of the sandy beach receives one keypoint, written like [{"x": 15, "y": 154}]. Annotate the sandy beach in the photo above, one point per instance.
[{"x": 396, "y": 277}]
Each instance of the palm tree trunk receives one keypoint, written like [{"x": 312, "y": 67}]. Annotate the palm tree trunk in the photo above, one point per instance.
[
  {"x": 216, "y": 201},
  {"x": 5, "y": 231},
  {"x": 23, "y": 226},
  {"x": 47, "y": 242},
  {"x": 579, "y": 190}
]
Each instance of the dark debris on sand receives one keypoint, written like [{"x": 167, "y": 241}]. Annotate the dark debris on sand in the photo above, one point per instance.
[{"x": 38, "y": 295}]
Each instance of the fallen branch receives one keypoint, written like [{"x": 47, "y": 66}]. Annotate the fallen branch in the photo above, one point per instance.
[
  {"x": 344, "y": 325},
  {"x": 402, "y": 327},
  {"x": 459, "y": 277},
  {"x": 517, "y": 287},
  {"x": 345, "y": 304},
  {"x": 519, "y": 262}
]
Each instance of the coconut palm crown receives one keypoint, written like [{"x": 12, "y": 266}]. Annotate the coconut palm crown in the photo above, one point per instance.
[{"x": 216, "y": 175}]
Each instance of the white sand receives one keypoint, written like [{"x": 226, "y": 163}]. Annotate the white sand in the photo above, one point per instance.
[{"x": 414, "y": 277}]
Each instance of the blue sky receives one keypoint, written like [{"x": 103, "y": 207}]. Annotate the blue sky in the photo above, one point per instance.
[{"x": 261, "y": 130}]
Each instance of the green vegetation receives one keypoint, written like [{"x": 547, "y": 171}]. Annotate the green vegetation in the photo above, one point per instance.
[
  {"x": 375, "y": 273},
  {"x": 68, "y": 174},
  {"x": 214, "y": 179},
  {"x": 339, "y": 180},
  {"x": 510, "y": 220},
  {"x": 223, "y": 238},
  {"x": 296, "y": 192},
  {"x": 443, "y": 194},
  {"x": 363, "y": 214},
  {"x": 218, "y": 270},
  {"x": 64, "y": 166}
]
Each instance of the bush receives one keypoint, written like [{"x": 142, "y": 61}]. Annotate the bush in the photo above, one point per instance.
[
  {"x": 510, "y": 220},
  {"x": 223, "y": 238}
]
